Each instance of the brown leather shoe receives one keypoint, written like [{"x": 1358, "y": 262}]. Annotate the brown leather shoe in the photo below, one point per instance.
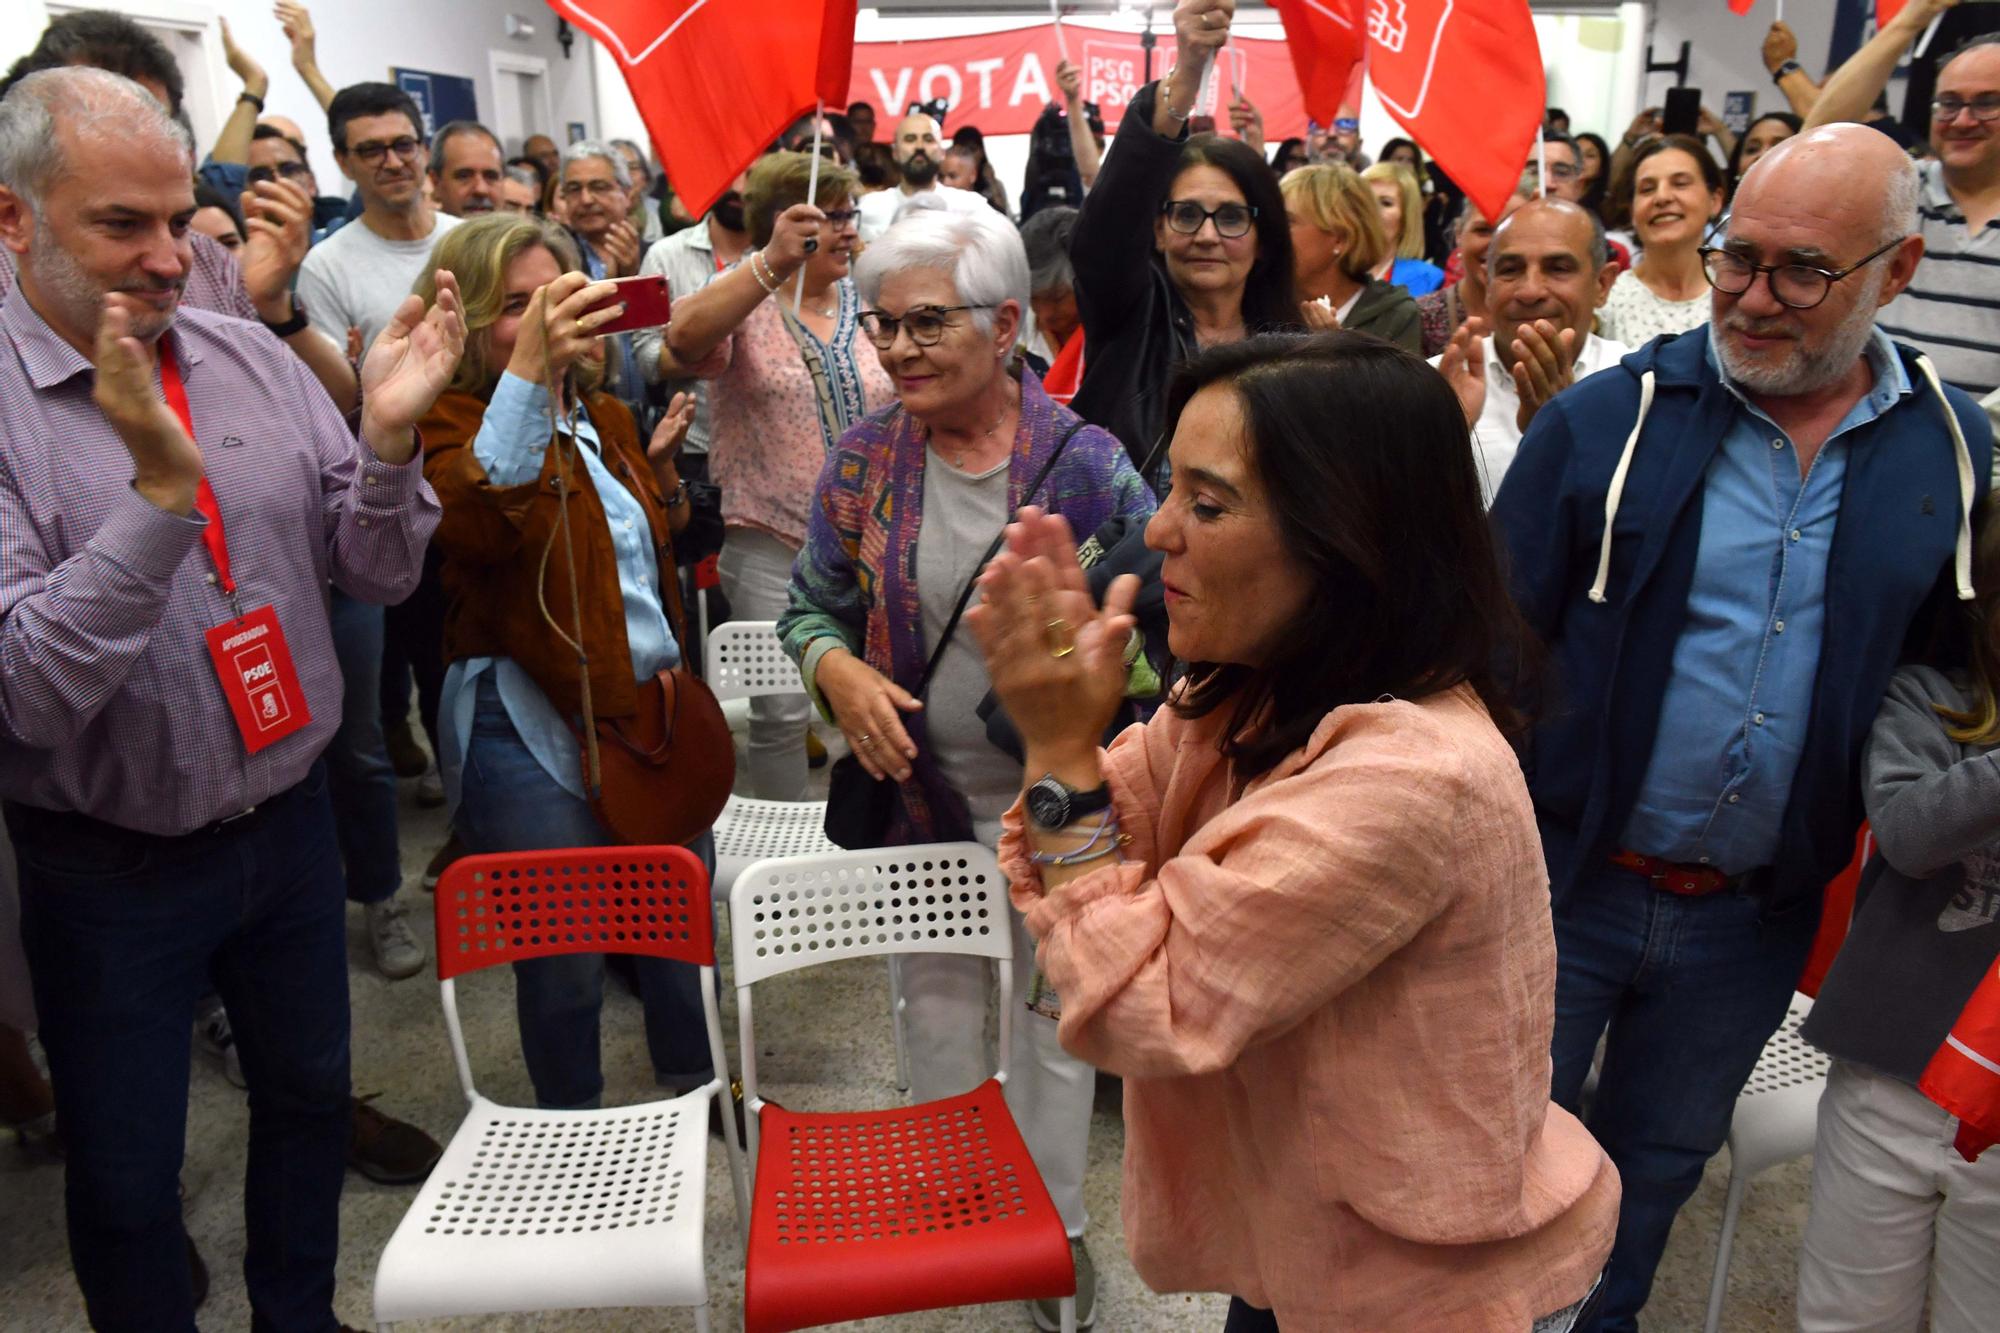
[
  {"x": 407, "y": 754},
  {"x": 446, "y": 854},
  {"x": 388, "y": 1151}
]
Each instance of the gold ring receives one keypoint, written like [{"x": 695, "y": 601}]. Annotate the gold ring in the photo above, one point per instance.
[
  {"x": 864, "y": 740},
  {"x": 1060, "y": 636}
]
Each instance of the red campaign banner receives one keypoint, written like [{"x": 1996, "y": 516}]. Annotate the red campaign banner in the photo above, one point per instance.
[{"x": 1000, "y": 81}]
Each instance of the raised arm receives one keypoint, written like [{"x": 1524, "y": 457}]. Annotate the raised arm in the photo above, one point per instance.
[
  {"x": 1781, "y": 47},
  {"x": 298, "y": 26},
  {"x": 1852, "y": 89},
  {"x": 704, "y": 320},
  {"x": 233, "y": 143},
  {"x": 1082, "y": 143}
]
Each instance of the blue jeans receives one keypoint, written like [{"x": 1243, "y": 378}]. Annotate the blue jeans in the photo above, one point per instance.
[
  {"x": 509, "y": 803},
  {"x": 1690, "y": 989},
  {"x": 123, "y": 931},
  {"x": 362, "y": 780}
]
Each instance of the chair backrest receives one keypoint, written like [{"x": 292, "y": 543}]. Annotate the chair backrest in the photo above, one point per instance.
[
  {"x": 507, "y": 906},
  {"x": 1788, "y": 1060},
  {"x": 796, "y": 911},
  {"x": 745, "y": 661}
]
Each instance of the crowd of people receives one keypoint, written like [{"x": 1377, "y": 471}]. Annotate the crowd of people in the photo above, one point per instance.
[{"x": 1419, "y": 670}]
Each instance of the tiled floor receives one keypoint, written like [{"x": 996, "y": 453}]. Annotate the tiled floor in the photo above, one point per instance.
[{"x": 827, "y": 1046}]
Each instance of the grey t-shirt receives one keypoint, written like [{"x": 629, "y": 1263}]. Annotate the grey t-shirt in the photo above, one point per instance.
[
  {"x": 355, "y": 277},
  {"x": 963, "y": 513},
  {"x": 1927, "y": 915}
]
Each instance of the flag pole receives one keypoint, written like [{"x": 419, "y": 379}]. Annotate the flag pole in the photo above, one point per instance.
[
  {"x": 1781, "y": 11},
  {"x": 1924, "y": 42},
  {"x": 1542, "y": 164},
  {"x": 812, "y": 197},
  {"x": 1062, "y": 43}
]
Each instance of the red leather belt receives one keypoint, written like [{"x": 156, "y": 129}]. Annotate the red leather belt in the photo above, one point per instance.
[{"x": 1672, "y": 877}]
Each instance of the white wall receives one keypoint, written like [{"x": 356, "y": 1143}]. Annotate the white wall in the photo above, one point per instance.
[
  {"x": 1725, "y": 55},
  {"x": 358, "y": 40}
]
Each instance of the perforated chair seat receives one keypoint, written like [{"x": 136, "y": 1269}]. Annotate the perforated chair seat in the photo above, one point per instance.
[
  {"x": 552, "y": 1210},
  {"x": 750, "y": 830},
  {"x": 857, "y": 1214}
]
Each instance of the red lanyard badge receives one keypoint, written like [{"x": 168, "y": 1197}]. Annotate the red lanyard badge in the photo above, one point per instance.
[{"x": 252, "y": 660}]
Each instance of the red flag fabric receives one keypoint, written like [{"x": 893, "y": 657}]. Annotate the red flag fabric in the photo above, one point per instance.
[
  {"x": 717, "y": 80},
  {"x": 1886, "y": 10},
  {"x": 1464, "y": 78},
  {"x": 1964, "y": 1076},
  {"x": 1326, "y": 42},
  {"x": 1741, "y": 7}
]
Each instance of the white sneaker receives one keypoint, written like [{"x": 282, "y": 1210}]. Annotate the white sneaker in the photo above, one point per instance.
[
  {"x": 219, "y": 1040},
  {"x": 397, "y": 953}
]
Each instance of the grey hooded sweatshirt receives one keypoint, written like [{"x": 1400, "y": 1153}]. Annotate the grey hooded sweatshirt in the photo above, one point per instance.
[{"x": 1927, "y": 915}]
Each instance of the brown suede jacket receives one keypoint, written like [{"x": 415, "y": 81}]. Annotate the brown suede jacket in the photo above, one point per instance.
[{"x": 494, "y": 540}]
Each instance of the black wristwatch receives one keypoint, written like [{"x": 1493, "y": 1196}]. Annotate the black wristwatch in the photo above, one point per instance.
[
  {"x": 1788, "y": 67},
  {"x": 1054, "y": 804},
  {"x": 293, "y": 325}
]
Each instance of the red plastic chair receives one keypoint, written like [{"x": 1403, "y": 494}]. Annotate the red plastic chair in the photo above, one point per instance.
[
  {"x": 863, "y": 1213},
  {"x": 550, "y": 1210}
]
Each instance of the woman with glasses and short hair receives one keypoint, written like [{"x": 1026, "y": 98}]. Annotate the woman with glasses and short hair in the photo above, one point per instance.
[
  {"x": 1208, "y": 212},
  {"x": 779, "y": 336},
  {"x": 904, "y": 515}
]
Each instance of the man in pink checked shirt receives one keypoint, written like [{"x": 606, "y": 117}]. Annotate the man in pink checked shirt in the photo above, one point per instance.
[{"x": 175, "y": 495}]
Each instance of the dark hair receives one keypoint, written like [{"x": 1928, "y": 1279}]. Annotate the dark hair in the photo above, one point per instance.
[
  {"x": 451, "y": 130},
  {"x": 1383, "y": 512},
  {"x": 1785, "y": 118},
  {"x": 1711, "y": 175},
  {"x": 876, "y": 165},
  {"x": 534, "y": 165},
  {"x": 273, "y": 132},
  {"x": 1411, "y": 144},
  {"x": 968, "y": 136},
  {"x": 853, "y": 107},
  {"x": 1600, "y": 184},
  {"x": 368, "y": 99},
  {"x": 103, "y": 40},
  {"x": 1269, "y": 299},
  {"x": 1286, "y": 146},
  {"x": 207, "y": 196}
]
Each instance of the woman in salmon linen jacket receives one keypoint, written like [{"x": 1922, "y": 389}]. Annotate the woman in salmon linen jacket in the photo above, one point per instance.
[{"x": 1303, "y": 910}]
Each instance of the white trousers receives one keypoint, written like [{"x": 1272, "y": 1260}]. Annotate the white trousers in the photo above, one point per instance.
[
  {"x": 756, "y": 571},
  {"x": 1896, "y": 1213},
  {"x": 1049, "y": 1090}
]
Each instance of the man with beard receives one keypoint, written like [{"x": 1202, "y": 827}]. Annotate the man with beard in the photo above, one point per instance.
[
  {"x": 1952, "y": 310},
  {"x": 1546, "y": 274},
  {"x": 358, "y": 278},
  {"x": 167, "y": 687},
  {"x": 1725, "y": 541},
  {"x": 689, "y": 258},
  {"x": 465, "y": 169},
  {"x": 919, "y": 152}
]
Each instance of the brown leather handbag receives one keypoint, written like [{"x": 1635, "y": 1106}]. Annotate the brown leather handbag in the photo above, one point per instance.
[{"x": 664, "y": 773}]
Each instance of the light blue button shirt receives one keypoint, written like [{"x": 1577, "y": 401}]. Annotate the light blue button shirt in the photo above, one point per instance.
[
  {"x": 512, "y": 440},
  {"x": 1733, "y": 719}
]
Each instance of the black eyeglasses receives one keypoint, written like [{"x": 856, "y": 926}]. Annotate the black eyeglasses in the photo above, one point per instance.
[
  {"x": 1800, "y": 286},
  {"x": 291, "y": 171},
  {"x": 1231, "y": 220},
  {"x": 925, "y": 324},
  {"x": 373, "y": 151},
  {"x": 1984, "y": 107},
  {"x": 840, "y": 217}
]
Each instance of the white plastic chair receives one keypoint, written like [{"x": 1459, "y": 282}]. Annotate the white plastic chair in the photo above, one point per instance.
[
  {"x": 856, "y": 1214},
  {"x": 1776, "y": 1118},
  {"x": 745, "y": 660},
  {"x": 562, "y": 1210}
]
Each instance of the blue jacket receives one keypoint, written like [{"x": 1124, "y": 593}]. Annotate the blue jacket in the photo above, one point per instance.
[{"x": 1899, "y": 534}]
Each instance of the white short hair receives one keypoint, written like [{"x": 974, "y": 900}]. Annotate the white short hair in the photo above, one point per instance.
[
  {"x": 587, "y": 148},
  {"x": 1899, "y": 202},
  {"x": 980, "y": 252},
  {"x": 89, "y": 101}
]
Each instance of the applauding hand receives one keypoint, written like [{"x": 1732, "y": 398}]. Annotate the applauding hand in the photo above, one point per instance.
[{"x": 412, "y": 361}]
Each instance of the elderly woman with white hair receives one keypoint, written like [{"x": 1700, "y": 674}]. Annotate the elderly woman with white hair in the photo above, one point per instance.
[{"x": 909, "y": 508}]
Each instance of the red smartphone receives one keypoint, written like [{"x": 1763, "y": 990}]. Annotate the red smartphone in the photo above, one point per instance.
[{"x": 646, "y": 304}]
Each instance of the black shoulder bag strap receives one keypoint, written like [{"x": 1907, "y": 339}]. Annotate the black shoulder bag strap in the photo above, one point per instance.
[{"x": 965, "y": 593}]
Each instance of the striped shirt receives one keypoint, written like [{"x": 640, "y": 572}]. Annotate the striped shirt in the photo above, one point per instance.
[
  {"x": 109, "y": 702},
  {"x": 214, "y": 282},
  {"x": 1951, "y": 309}
]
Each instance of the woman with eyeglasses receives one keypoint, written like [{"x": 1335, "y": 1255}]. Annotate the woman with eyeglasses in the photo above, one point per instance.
[
  {"x": 1207, "y": 210},
  {"x": 1676, "y": 197},
  {"x": 779, "y": 336},
  {"x": 906, "y": 512}
]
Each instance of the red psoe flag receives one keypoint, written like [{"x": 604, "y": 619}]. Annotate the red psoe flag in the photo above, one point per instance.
[
  {"x": 1324, "y": 38},
  {"x": 1886, "y": 10},
  {"x": 1741, "y": 7},
  {"x": 1964, "y": 1076},
  {"x": 1464, "y": 77},
  {"x": 717, "y": 80}
]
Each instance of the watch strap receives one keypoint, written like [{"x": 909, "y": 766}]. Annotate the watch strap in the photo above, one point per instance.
[
  {"x": 1787, "y": 67},
  {"x": 296, "y": 324}
]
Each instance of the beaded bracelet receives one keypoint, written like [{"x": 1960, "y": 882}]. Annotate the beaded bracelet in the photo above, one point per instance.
[
  {"x": 1076, "y": 856},
  {"x": 757, "y": 263}
]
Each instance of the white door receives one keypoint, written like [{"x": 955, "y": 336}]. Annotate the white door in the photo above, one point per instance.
[{"x": 521, "y": 105}]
